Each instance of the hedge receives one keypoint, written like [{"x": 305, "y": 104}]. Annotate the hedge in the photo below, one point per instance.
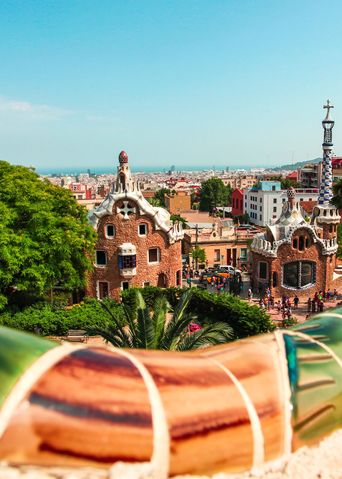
[{"x": 42, "y": 318}]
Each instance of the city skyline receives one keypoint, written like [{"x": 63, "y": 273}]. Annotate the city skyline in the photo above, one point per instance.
[{"x": 196, "y": 84}]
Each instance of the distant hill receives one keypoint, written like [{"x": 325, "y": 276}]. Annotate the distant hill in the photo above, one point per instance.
[{"x": 294, "y": 166}]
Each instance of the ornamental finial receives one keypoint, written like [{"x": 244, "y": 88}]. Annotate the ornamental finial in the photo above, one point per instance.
[{"x": 328, "y": 106}]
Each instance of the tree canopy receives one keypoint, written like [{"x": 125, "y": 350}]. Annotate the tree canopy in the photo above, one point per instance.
[
  {"x": 214, "y": 193},
  {"x": 45, "y": 238}
]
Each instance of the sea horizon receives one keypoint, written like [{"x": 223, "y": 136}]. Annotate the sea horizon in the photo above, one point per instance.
[{"x": 72, "y": 171}]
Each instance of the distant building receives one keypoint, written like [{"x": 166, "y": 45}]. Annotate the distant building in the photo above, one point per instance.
[
  {"x": 237, "y": 202},
  {"x": 264, "y": 203},
  {"x": 80, "y": 191},
  {"x": 336, "y": 168},
  {"x": 239, "y": 181},
  {"x": 310, "y": 175},
  {"x": 177, "y": 202},
  {"x": 293, "y": 176},
  {"x": 223, "y": 243},
  {"x": 137, "y": 243},
  {"x": 295, "y": 255}
]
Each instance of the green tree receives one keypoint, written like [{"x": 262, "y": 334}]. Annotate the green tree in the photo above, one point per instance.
[
  {"x": 160, "y": 195},
  {"x": 337, "y": 199},
  {"x": 198, "y": 255},
  {"x": 179, "y": 219},
  {"x": 286, "y": 183},
  {"x": 148, "y": 329},
  {"x": 45, "y": 238},
  {"x": 154, "y": 201},
  {"x": 214, "y": 193},
  {"x": 339, "y": 240}
]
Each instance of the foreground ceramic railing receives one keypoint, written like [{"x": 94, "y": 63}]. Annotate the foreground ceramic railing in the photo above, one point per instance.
[{"x": 226, "y": 408}]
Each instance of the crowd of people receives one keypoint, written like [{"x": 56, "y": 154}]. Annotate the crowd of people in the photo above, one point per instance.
[{"x": 286, "y": 305}]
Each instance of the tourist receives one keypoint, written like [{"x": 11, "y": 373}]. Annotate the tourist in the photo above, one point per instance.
[
  {"x": 295, "y": 302},
  {"x": 309, "y": 305},
  {"x": 250, "y": 294},
  {"x": 335, "y": 294}
]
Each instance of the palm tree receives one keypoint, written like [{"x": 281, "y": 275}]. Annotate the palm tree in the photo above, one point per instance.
[{"x": 147, "y": 329}]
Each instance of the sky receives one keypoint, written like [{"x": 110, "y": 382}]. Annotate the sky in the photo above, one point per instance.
[{"x": 197, "y": 83}]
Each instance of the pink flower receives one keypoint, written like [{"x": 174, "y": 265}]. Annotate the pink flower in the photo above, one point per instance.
[{"x": 194, "y": 327}]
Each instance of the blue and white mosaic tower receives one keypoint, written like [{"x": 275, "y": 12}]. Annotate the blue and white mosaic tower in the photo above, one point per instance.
[
  {"x": 325, "y": 192},
  {"x": 326, "y": 215}
]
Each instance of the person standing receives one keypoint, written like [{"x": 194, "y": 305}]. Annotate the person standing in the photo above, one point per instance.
[{"x": 295, "y": 302}]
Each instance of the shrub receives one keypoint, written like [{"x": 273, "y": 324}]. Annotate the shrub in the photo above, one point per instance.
[
  {"x": 246, "y": 320},
  {"x": 42, "y": 318}
]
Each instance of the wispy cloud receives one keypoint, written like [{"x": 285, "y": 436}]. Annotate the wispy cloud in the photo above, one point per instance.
[{"x": 32, "y": 110}]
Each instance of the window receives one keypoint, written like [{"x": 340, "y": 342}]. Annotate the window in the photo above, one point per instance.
[
  {"x": 127, "y": 261},
  {"x": 146, "y": 284},
  {"x": 260, "y": 208},
  {"x": 275, "y": 200},
  {"x": 153, "y": 255},
  {"x": 284, "y": 199},
  {"x": 243, "y": 253},
  {"x": 260, "y": 200},
  {"x": 273, "y": 188},
  {"x": 307, "y": 242},
  {"x": 125, "y": 285},
  {"x": 217, "y": 255},
  {"x": 142, "y": 229},
  {"x": 110, "y": 231},
  {"x": 102, "y": 289},
  {"x": 101, "y": 258},
  {"x": 299, "y": 274},
  {"x": 260, "y": 217},
  {"x": 262, "y": 270},
  {"x": 295, "y": 243},
  {"x": 301, "y": 243},
  {"x": 274, "y": 209}
]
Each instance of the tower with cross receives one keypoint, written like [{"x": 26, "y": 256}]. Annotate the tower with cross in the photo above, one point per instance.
[{"x": 326, "y": 215}]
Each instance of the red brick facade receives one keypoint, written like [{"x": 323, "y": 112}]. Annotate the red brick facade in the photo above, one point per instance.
[
  {"x": 161, "y": 268},
  {"x": 324, "y": 266}
]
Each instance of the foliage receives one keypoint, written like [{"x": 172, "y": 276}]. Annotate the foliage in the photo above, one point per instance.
[
  {"x": 337, "y": 199},
  {"x": 245, "y": 319},
  {"x": 288, "y": 322},
  {"x": 339, "y": 240},
  {"x": 242, "y": 219},
  {"x": 46, "y": 320},
  {"x": 148, "y": 329},
  {"x": 179, "y": 219},
  {"x": 214, "y": 193},
  {"x": 287, "y": 183},
  {"x": 198, "y": 254},
  {"x": 160, "y": 195},
  {"x": 44, "y": 235},
  {"x": 154, "y": 201}
]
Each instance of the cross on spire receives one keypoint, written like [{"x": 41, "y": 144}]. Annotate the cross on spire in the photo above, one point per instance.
[{"x": 328, "y": 106}]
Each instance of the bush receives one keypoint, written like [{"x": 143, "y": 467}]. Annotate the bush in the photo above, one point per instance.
[
  {"x": 246, "y": 320},
  {"x": 46, "y": 320}
]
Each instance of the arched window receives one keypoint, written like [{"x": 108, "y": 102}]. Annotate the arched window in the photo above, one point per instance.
[
  {"x": 307, "y": 243},
  {"x": 301, "y": 243},
  {"x": 110, "y": 231},
  {"x": 295, "y": 243},
  {"x": 299, "y": 274},
  {"x": 274, "y": 279}
]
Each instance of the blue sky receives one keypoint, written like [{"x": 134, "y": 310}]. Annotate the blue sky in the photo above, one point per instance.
[{"x": 184, "y": 82}]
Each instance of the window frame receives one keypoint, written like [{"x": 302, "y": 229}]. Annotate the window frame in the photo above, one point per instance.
[
  {"x": 299, "y": 275},
  {"x": 106, "y": 231},
  {"x": 158, "y": 255},
  {"x": 146, "y": 229},
  {"x": 99, "y": 265}
]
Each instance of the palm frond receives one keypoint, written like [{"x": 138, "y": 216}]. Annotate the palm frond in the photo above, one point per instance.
[
  {"x": 159, "y": 320},
  {"x": 210, "y": 335}
]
